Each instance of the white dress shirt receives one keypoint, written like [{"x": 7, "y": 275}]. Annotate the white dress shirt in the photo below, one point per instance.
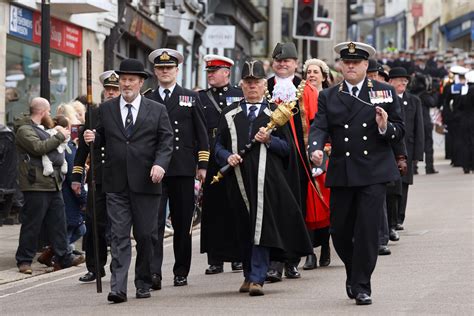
[
  {"x": 135, "y": 107},
  {"x": 258, "y": 105},
  {"x": 359, "y": 87},
  {"x": 162, "y": 93}
]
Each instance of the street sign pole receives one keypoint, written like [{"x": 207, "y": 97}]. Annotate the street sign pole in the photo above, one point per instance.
[{"x": 45, "y": 90}]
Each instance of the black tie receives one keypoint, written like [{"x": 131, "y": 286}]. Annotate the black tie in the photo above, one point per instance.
[
  {"x": 251, "y": 116},
  {"x": 167, "y": 95},
  {"x": 129, "y": 121},
  {"x": 354, "y": 91}
]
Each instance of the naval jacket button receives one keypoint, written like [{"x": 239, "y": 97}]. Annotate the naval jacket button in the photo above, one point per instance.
[
  {"x": 364, "y": 124},
  {"x": 348, "y": 154},
  {"x": 346, "y": 139},
  {"x": 346, "y": 126}
]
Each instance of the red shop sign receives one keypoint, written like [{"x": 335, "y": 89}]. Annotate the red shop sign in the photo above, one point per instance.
[{"x": 65, "y": 37}]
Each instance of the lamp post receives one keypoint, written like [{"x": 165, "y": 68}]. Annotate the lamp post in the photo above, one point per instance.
[{"x": 45, "y": 90}]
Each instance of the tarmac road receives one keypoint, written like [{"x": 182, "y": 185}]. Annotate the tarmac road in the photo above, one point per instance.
[{"x": 430, "y": 271}]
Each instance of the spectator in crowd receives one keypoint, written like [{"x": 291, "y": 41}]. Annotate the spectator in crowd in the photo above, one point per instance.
[{"x": 43, "y": 199}]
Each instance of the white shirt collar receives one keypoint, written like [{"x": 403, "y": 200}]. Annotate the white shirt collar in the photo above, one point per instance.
[
  {"x": 359, "y": 86},
  {"x": 258, "y": 105},
  {"x": 135, "y": 103},
  {"x": 400, "y": 96},
  {"x": 161, "y": 90}
]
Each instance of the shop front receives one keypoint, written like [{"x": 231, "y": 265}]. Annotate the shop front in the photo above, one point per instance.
[
  {"x": 23, "y": 52},
  {"x": 460, "y": 32},
  {"x": 391, "y": 30}
]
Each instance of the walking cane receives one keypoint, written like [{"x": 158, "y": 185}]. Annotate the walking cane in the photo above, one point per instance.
[{"x": 95, "y": 240}]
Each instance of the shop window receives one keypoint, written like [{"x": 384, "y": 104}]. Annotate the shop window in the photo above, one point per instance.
[{"x": 22, "y": 78}]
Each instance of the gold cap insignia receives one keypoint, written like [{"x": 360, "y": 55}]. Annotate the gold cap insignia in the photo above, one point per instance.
[
  {"x": 164, "y": 57},
  {"x": 113, "y": 78},
  {"x": 352, "y": 48}
]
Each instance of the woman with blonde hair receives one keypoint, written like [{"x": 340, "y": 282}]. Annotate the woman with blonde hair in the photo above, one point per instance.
[
  {"x": 68, "y": 110},
  {"x": 316, "y": 73}
]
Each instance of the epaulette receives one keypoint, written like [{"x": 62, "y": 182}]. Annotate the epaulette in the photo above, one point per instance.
[{"x": 147, "y": 91}]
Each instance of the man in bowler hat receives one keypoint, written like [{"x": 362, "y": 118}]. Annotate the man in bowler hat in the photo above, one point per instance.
[{"x": 138, "y": 141}]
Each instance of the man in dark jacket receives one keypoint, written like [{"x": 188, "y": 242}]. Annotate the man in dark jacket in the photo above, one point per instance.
[
  {"x": 414, "y": 133},
  {"x": 110, "y": 82},
  {"x": 362, "y": 117},
  {"x": 190, "y": 153},
  {"x": 43, "y": 199},
  {"x": 137, "y": 137},
  {"x": 219, "y": 95}
]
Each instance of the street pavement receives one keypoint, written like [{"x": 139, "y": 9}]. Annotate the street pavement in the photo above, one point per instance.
[{"x": 430, "y": 271}]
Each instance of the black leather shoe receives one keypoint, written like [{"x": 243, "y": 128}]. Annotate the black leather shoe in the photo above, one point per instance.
[
  {"x": 215, "y": 269},
  {"x": 273, "y": 276},
  {"x": 325, "y": 258},
  {"x": 393, "y": 235},
  {"x": 291, "y": 272},
  {"x": 363, "y": 299},
  {"x": 117, "y": 297},
  {"x": 143, "y": 293},
  {"x": 310, "y": 262},
  {"x": 180, "y": 281},
  {"x": 384, "y": 250},
  {"x": 90, "y": 276},
  {"x": 399, "y": 227},
  {"x": 431, "y": 171},
  {"x": 349, "y": 292},
  {"x": 155, "y": 281},
  {"x": 237, "y": 266}
]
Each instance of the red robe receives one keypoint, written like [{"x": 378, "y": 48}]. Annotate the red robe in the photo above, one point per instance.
[{"x": 317, "y": 208}]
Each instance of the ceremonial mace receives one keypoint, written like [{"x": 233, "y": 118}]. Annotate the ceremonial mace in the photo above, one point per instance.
[
  {"x": 95, "y": 239},
  {"x": 279, "y": 117}
]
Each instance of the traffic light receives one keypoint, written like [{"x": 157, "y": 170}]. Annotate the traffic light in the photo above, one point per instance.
[{"x": 304, "y": 15}]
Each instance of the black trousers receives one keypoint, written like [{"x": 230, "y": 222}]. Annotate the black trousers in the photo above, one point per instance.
[
  {"x": 127, "y": 209},
  {"x": 384, "y": 228},
  {"x": 429, "y": 152},
  {"x": 179, "y": 191},
  {"x": 42, "y": 208},
  {"x": 101, "y": 217},
  {"x": 355, "y": 221},
  {"x": 402, "y": 203}
]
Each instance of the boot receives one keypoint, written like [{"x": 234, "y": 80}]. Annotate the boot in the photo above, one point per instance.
[
  {"x": 46, "y": 256},
  {"x": 310, "y": 263},
  {"x": 325, "y": 258}
]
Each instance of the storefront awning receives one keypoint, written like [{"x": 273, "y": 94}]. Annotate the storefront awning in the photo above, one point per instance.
[
  {"x": 79, "y": 6},
  {"x": 458, "y": 27},
  {"x": 390, "y": 20}
]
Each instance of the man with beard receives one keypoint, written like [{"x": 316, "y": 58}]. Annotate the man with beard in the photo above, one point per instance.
[
  {"x": 110, "y": 82},
  {"x": 282, "y": 87},
  {"x": 219, "y": 95},
  {"x": 43, "y": 199},
  {"x": 362, "y": 118},
  {"x": 262, "y": 217},
  {"x": 138, "y": 140}
]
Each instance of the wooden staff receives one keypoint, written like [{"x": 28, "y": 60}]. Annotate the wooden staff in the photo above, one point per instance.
[{"x": 95, "y": 238}]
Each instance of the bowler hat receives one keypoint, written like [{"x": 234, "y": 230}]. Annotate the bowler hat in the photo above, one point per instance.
[
  {"x": 398, "y": 72},
  {"x": 372, "y": 65},
  {"x": 253, "y": 69},
  {"x": 132, "y": 67}
]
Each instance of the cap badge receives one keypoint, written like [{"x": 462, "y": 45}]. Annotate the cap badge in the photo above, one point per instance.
[
  {"x": 164, "y": 57},
  {"x": 113, "y": 78},
  {"x": 352, "y": 48}
]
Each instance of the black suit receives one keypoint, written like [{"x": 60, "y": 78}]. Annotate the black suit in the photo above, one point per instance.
[
  {"x": 414, "y": 140},
  {"x": 191, "y": 150},
  {"x": 100, "y": 198},
  {"x": 132, "y": 198},
  {"x": 361, "y": 163}
]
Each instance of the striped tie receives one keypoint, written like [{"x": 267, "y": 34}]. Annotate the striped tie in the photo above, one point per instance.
[{"x": 129, "y": 121}]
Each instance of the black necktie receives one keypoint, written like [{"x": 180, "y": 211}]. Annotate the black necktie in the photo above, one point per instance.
[
  {"x": 167, "y": 95},
  {"x": 354, "y": 91},
  {"x": 129, "y": 121},
  {"x": 252, "y": 116}
]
